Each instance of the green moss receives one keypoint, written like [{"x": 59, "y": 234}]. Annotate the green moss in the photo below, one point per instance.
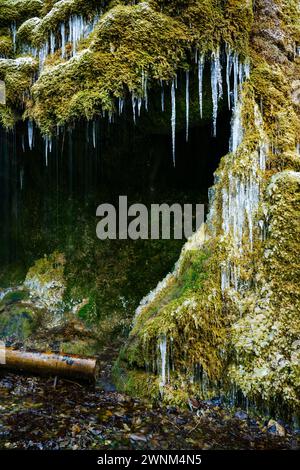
[
  {"x": 80, "y": 347},
  {"x": 129, "y": 42},
  {"x": 245, "y": 337},
  {"x": 188, "y": 313},
  {"x": 18, "y": 10},
  {"x": 135, "y": 383},
  {"x": 267, "y": 338},
  {"x": 18, "y": 76},
  {"x": 25, "y": 33},
  {"x": 46, "y": 281},
  {"x": 14, "y": 296},
  {"x": 18, "y": 322},
  {"x": 6, "y": 46}
]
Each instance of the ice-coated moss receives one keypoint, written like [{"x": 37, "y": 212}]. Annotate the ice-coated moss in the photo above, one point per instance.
[
  {"x": 150, "y": 39},
  {"x": 252, "y": 273},
  {"x": 46, "y": 283},
  {"x": 267, "y": 339},
  {"x": 18, "y": 76}
]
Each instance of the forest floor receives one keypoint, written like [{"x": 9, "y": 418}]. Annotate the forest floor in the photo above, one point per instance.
[{"x": 43, "y": 413}]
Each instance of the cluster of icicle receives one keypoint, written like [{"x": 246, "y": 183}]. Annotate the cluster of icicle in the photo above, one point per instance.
[
  {"x": 241, "y": 198},
  {"x": 70, "y": 32},
  {"x": 236, "y": 72}
]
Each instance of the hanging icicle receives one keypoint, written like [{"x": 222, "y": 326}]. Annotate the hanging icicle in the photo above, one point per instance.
[
  {"x": 48, "y": 148},
  {"x": 201, "y": 60},
  {"x": 134, "y": 103},
  {"x": 52, "y": 43},
  {"x": 163, "y": 361},
  {"x": 14, "y": 35},
  {"x": 162, "y": 97},
  {"x": 237, "y": 131},
  {"x": 216, "y": 86},
  {"x": 145, "y": 88},
  {"x": 46, "y": 151},
  {"x": 63, "y": 39},
  {"x": 30, "y": 133},
  {"x": 43, "y": 53},
  {"x": 94, "y": 134},
  {"x": 228, "y": 74},
  {"x": 187, "y": 103},
  {"x": 173, "y": 120},
  {"x": 236, "y": 78},
  {"x": 121, "y": 106}
]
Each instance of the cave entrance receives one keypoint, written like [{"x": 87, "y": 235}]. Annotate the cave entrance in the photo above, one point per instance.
[{"x": 50, "y": 191}]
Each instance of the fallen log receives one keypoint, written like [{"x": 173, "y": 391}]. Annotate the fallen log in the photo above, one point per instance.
[{"x": 50, "y": 364}]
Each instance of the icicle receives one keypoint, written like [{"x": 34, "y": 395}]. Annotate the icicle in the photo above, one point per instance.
[
  {"x": 263, "y": 151},
  {"x": 228, "y": 75},
  {"x": 43, "y": 53},
  {"x": 145, "y": 89},
  {"x": 216, "y": 86},
  {"x": 14, "y": 34},
  {"x": 236, "y": 129},
  {"x": 52, "y": 43},
  {"x": 298, "y": 148},
  {"x": 162, "y": 97},
  {"x": 46, "y": 150},
  {"x": 139, "y": 101},
  {"x": 163, "y": 356},
  {"x": 63, "y": 39},
  {"x": 200, "y": 82},
  {"x": 94, "y": 134},
  {"x": 23, "y": 143},
  {"x": 134, "y": 100},
  {"x": 196, "y": 56},
  {"x": 236, "y": 83},
  {"x": 187, "y": 103},
  {"x": 30, "y": 133},
  {"x": 121, "y": 106},
  {"x": 247, "y": 69},
  {"x": 173, "y": 121},
  {"x": 77, "y": 30}
]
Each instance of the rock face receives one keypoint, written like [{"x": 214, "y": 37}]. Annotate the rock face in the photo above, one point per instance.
[
  {"x": 35, "y": 315},
  {"x": 227, "y": 319},
  {"x": 247, "y": 305},
  {"x": 46, "y": 284}
]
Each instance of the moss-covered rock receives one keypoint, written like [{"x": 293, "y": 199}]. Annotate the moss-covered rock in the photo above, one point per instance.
[
  {"x": 247, "y": 307},
  {"x": 17, "y": 75},
  {"x": 46, "y": 283},
  {"x": 14, "y": 11},
  {"x": 131, "y": 45},
  {"x": 266, "y": 340},
  {"x": 6, "y": 45}
]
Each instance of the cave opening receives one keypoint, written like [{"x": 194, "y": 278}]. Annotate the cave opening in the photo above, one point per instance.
[{"x": 50, "y": 189}]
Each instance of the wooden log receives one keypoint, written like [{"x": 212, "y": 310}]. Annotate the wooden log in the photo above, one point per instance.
[{"x": 50, "y": 364}]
